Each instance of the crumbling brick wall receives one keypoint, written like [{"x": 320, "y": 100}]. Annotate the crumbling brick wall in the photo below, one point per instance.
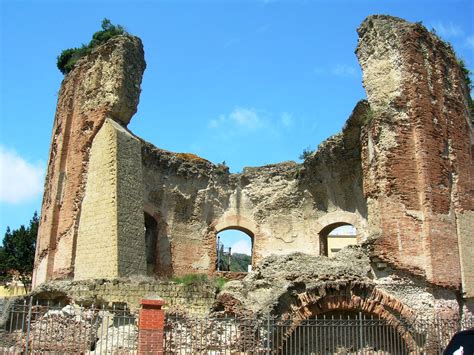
[
  {"x": 416, "y": 151},
  {"x": 104, "y": 84},
  {"x": 400, "y": 172}
]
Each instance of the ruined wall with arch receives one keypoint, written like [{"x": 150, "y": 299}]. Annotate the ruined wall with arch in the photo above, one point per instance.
[
  {"x": 275, "y": 205},
  {"x": 115, "y": 205}
]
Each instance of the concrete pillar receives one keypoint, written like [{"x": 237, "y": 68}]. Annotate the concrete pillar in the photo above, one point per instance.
[{"x": 151, "y": 325}]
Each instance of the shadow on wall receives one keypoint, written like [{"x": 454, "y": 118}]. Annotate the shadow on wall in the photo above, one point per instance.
[{"x": 158, "y": 247}]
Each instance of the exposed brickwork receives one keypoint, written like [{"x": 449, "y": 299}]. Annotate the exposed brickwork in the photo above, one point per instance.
[
  {"x": 104, "y": 84},
  {"x": 151, "y": 327},
  {"x": 401, "y": 172},
  {"x": 416, "y": 150}
]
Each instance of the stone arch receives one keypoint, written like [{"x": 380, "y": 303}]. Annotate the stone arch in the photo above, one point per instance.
[
  {"x": 346, "y": 297},
  {"x": 227, "y": 222},
  {"x": 336, "y": 219}
]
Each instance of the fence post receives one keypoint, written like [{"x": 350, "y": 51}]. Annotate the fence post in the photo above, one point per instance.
[{"x": 151, "y": 326}]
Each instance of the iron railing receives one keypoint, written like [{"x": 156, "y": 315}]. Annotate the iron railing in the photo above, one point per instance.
[
  {"x": 34, "y": 327},
  {"x": 38, "y": 328},
  {"x": 342, "y": 334}
]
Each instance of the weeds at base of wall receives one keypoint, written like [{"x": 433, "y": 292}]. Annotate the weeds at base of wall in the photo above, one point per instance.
[{"x": 200, "y": 279}]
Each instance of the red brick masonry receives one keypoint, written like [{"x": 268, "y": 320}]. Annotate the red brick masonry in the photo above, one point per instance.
[{"x": 150, "y": 327}]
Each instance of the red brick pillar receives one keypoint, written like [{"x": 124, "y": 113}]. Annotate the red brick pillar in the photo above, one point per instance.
[{"x": 151, "y": 324}]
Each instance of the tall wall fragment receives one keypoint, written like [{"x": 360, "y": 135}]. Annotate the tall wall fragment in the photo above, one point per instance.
[
  {"x": 111, "y": 239},
  {"x": 106, "y": 83},
  {"x": 417, "y": 154}
]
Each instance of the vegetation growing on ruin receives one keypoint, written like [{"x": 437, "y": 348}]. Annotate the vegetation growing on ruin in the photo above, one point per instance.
[
  {"x": 68, "y": 57},
  {"x": 200, "y": 279},
  {"x": 368, "y": 116},
  {"x": 466, "y": 73},
  {"x": 306, "y": 153},
  {"x": 191, "y": 157}
]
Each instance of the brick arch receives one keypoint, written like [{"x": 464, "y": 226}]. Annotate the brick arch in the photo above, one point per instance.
[
  {"x": 226, "y": 222},
  {"x": 330, "y": 221},
  {"x": 340, "y": 218},
  {"x": 348, "y": 297}
]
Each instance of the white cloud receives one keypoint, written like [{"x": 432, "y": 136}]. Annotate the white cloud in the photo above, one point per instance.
[
  {"x": 341, "y": 70},
  {"x": 470, "y": 42},
  {"x": 287, "y": 119},
  {"x": 247, "y": 118},
  {"x": 344, "y": 71},
  {"x": 242, "y": 247},
  {"x": 20, "y": 180},
  {"x": 447, "y": 30}
]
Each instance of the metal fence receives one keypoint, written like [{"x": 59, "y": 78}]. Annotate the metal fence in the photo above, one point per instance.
[
  {"x": 35, "y": 328},
  {"x": 341, "y": 334}
]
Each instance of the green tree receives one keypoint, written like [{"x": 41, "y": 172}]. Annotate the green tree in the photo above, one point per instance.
[
  {"x": 240, "y": 262},
  {"x": 18, "y": 252},
  {"x": 68, "y": 57}
]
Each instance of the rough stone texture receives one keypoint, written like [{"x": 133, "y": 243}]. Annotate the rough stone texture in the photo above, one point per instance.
[
  {"x": 283, "y": 207},
  {"x": 194, "y": 299},
  {"x": 300, "y": 285},
  {"x": 416, "y": 151},
  {"x": 111, "y": 236},
  {"x": 400, "y": 172},
  {"x": 104, "y": 84}
]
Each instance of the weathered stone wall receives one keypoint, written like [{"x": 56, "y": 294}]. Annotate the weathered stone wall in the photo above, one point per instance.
[
  {"x": 282, "y": 207},
  {"x": 400, "y": 172},
  {"x": 190, "y": 299},
  {"x": 106, "y": 83},
  {"x": 111, "y": 239},
  {"x": 299, "y": 285},
  {"x": 416, "y": 151}
]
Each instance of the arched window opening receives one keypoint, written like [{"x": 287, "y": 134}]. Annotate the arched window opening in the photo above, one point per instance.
[
  {"x": 345, "y": 332},
  {"x": 335, "y": 237},
  {"x": 234, "y": 250},
  {"x": 151, "y": 236}
]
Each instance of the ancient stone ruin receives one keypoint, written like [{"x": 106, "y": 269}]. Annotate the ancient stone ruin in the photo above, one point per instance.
[{"x": 401, "y": 172}]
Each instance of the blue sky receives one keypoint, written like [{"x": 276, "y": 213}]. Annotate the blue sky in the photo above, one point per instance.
[{"x": 245, "y": 82}]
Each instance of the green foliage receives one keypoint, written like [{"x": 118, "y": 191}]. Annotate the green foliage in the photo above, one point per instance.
[
  {"x": 201, "y": 279},
  {"x": 191, "y": 279},
  {"x": 466, "y": 74},
  {"x": 18, "y": 252},
  {"x": 369, "y": 116},
  {"x": 68, "y": 57},
  {"x": 240, "y": 262},
  {"x": 306, "y": 153},
  {"x": 220, "y": 282}
]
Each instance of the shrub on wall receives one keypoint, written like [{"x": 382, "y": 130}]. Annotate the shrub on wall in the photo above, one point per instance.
[{"x": 68, "y": 57}]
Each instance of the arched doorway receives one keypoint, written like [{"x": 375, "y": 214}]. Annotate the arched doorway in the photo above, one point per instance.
[
  {"x": 345, "y": 332},
  {"x": 345, "y": 318},
  {"x": 234, "y": 249},
  {"x": 335, "y": 237}
]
